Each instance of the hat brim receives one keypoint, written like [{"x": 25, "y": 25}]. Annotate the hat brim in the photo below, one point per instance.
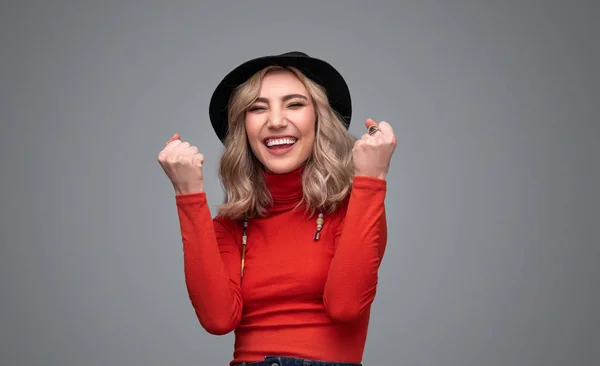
[{"x": 315, "y": 69}]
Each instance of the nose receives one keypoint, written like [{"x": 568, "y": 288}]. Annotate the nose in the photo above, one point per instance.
[{"x": 276, "y": 119}]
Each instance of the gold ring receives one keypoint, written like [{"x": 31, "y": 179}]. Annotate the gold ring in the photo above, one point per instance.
[{"x": 373, "y": 129}]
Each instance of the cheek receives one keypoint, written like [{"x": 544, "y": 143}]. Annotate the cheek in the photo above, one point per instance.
[
  {"x": 252, "y": 129},
  {"x": 307, "y": 123},
  {"x": 308, "y": 127},
  {"x": 252, "y": 132},
  {"x": 308, "y": 145},
  {"x": 308, "y": 135}
]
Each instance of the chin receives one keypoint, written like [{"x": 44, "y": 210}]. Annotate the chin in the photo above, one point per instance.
[{"x": 281, "y": 168}]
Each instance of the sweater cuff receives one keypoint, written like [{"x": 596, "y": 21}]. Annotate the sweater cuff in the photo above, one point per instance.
[
  {"x": 190, "y": 198},
  {"x": 372, "y": 183}
]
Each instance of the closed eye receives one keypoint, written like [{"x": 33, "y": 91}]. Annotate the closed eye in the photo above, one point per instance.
[
  {"x": 256, "y": 108},
  {"x": 296, "y": 105}
]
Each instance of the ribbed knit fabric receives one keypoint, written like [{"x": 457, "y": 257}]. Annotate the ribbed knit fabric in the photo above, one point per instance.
[{"x": 298, "y": 297}]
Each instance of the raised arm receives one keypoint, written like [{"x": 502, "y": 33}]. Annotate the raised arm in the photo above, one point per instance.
[
  {"x": 211, "y": 264},
  {"x": 360, "y": 245},
  {"x": 211, "y": 255}
]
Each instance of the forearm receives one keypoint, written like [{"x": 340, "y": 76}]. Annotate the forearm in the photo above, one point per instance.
[
  {"x": 353, "y": 275},
  {"x": 214, "y": 293}
]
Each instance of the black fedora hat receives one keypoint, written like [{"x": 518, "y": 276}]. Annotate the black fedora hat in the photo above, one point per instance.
[{"x": 315, "y": 69}]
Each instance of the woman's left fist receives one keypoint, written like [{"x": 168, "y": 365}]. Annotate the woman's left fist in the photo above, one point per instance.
[{"x": 373, "y": 152}]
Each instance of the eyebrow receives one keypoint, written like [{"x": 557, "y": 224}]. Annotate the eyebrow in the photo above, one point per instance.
[{"x": 285, "y": 98}]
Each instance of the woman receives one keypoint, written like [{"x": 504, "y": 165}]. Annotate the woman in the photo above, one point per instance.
[{"x": 290, "y": 261}]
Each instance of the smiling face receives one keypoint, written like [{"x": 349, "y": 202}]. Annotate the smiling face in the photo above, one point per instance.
[{"x": 280, "y": 124}]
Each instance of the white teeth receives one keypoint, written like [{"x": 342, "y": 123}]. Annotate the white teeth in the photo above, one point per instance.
[{"x": 286, "y": 141}]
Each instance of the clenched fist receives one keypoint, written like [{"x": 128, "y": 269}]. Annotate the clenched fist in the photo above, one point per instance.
[
  {"x": 373, "y": 152},
  {"x": 183, "y": 165}
]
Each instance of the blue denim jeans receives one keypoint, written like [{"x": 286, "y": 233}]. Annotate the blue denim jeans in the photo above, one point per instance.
[{"x": 292, "y": 361}]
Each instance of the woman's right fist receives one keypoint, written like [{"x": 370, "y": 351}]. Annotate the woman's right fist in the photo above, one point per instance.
[{"x": 183, "y": 165}]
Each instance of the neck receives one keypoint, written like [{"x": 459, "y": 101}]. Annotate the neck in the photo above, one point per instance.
[{"x": 285, "y": 189}]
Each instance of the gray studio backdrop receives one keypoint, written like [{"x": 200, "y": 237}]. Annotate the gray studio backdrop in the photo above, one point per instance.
[{"x": 493, "y": 255}]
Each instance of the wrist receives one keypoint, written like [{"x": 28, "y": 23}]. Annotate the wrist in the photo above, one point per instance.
[
  {"x": 371, "y": 175},
  {"x": 190, "y": 189}
]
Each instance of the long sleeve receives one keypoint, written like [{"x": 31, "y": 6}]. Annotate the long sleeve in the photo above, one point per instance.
[
  {"x": 360, "y": 245},
  {"x": 211, "y": 264}
]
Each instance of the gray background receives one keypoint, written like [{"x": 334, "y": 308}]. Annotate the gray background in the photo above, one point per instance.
[{"x": 493, "y": 197}]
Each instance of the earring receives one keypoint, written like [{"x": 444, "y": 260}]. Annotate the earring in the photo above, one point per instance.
[
  {"x": 244, "y": 242},
  {"x": 320, "y": 222}
]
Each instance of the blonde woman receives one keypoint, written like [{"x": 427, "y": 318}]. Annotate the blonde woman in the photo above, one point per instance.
[{"x": 290, "y": 262}]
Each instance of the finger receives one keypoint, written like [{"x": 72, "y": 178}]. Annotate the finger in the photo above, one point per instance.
[
  {"x": 173, "y": 138},
  {"x": 173, "y": 142},
  {"x": 372, "y": 126},
  {"x": 182, "y": 146},
  {"x": 192, "y": 150},
  {"x": 366, "y": 137},
  {"x": 357, "y": 144},
  {"x": 172, "y": 145},
  {"x": 198, "y": 159},
  {"x": 370, "y": 122},
  {"x": 386, "y": 128}
]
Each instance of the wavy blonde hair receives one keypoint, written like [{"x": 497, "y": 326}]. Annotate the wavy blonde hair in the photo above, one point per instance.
[{"x": 328, "y": 172}]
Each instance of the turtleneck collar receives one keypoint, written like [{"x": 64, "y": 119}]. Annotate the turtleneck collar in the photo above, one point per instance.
[{"x": 286, "y": 189}]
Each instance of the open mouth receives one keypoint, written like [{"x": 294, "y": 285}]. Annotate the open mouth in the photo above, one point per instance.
[{"x": 280, "y": 143}]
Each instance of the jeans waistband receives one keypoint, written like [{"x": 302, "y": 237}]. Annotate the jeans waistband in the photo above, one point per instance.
[{"x": 293, "y": 361}]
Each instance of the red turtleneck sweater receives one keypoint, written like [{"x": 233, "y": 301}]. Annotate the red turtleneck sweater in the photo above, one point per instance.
[{"x": 298, "y": 297}]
